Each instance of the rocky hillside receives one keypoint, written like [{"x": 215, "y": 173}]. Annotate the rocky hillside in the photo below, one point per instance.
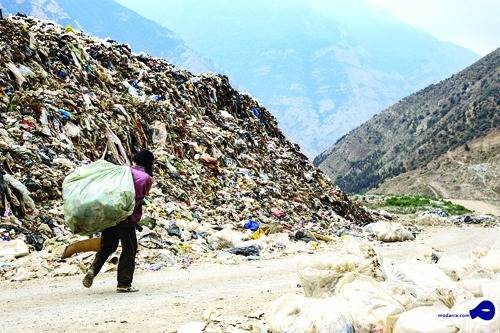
[
  {"x": 68, "y": 99},
  {"x": 106, "y": 18},
  {"x": 418, "y": 129},
  {"x": 470, "y": 171}
]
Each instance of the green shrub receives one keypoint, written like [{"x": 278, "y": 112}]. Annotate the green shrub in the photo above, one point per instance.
[
  {"x": 407, "y": 201},
  {"x": 411, "y": 204}
]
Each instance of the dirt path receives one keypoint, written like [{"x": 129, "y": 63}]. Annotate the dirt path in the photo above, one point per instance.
[
  {"x": 480, "y": 207},
  {"x": 171, "y": 298}
]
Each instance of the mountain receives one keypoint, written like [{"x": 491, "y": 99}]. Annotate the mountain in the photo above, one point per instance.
[
  {"x": 322, "y": 67},
  {"x": 421, "y": 129},
  {"x": 106, "y": 18},
  {"x": 470, "y": 171}
]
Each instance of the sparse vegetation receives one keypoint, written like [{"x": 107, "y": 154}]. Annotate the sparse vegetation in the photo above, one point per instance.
[
  {"x": 409, "y": 204},
  {"x": 407, "y": 201},
  {"x": 420, "y": 202}
]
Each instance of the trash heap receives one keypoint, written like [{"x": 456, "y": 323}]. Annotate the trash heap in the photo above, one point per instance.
[
  {"x": 353, "y": 290},
  {"x": 226, "y": 178}
]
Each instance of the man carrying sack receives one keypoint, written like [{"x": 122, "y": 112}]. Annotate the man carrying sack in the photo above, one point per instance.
[
  {"x": 110, "y": 206},
  {"x": 142, "y": 173}
]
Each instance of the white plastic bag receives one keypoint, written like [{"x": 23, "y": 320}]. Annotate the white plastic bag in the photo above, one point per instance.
[
  {"x": 14, "y": 248},
  {"x": 370, "y": 302},
  {"x": 426, "y": 283},
  {"x": 389, "y": 232},
  {"x": 474, "y": 286},
  {"x": 424, "y": 319},
  {"x": 298, "y": 314},
  {"x": 225, "y": 238},
  {"x": 421, "y": 274},
  {"x": 456, "y": 267},
  {"x": 98, "y": 196},
  {"x": 320, "y": 276},
  {"x": 491, "y": 261}
]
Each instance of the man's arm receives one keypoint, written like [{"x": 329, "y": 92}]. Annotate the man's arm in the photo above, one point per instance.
[{"x": 148, "y": 185}]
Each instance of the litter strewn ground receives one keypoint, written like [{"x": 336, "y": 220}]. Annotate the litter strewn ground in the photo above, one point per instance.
[
  {"x": 170, "y": 298},
  {"x": 360, "y": 288},
  {"x": 229, "y": 190}
]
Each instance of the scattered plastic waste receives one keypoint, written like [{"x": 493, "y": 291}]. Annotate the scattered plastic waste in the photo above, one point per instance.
[
  {"x": 251, "y": 250},
  {"x": 221, "y": 159},
  {"x": 252, "y": 225}
]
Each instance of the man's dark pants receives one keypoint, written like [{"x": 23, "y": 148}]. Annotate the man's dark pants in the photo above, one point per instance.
[{"x": 125, "y": 233}]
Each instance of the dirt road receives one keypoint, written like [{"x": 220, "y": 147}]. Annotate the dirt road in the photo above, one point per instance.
[
  {"x": 480, "y": 207},
  {"x": 171, "y": 298}
]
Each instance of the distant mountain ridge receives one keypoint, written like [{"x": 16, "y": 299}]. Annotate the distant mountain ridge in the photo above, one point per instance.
[
  {"x": 471, "y": 171},
  {"x": 419, "y": 129},
  {"x": 107, "y": 18},
  {"x": 322, "y": 67}
]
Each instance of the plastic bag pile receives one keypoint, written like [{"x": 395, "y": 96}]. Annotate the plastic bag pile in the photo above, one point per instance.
[
  {"x": 67, "y": 99},
  {"x": 352, "y": 290}
]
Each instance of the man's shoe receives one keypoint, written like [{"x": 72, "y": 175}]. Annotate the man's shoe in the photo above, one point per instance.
[
  {"x": 88, "y": 279},
  {"x": 126, "y": 289}
]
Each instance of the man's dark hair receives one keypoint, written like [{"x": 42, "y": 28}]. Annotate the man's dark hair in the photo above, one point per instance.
[{"x": 145, "y": 159}]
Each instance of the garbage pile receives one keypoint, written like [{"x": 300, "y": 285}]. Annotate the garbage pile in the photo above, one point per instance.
[
  {"x": 353, "y": 290},
  {"x": 226, "y": 178},
  {"x": 430, "y": 218}
]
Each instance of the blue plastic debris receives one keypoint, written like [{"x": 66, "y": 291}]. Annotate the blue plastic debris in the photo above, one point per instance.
[
  {"x": 256, "y": 112},
  {"x": 8, "y": 91},
  {"x": 65, "y": 114},
  {"x": 62, "y": 74},
  {"x": 252, "y": 225}
]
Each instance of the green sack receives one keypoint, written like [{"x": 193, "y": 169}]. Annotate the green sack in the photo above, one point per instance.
[{"x": 98, "y": 196}]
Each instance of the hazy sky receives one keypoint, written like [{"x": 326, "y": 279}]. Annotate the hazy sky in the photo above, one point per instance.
[{"x": 474, "y": 24}]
